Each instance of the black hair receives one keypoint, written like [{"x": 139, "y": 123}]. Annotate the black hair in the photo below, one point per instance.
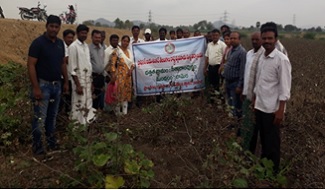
[
  {"x": 269, "y": 27},
  {"x": 134, "y": 27},
  {"x": 163, "y": 29},
  {"x": 225, "y": 26},
  {"x": 125, "y": 36},
  {"x": 215, "y": 31},
  {"x": 226, "y": 33},
  {"x": 52, "y": 19},
  {"x": 68, "y": 31},
  {"x": 179, "y": 30},
  {"x": 82, "y": 27},
  {"x": 96, "y": 32},
  {"x": 113, "y": 36},
  {"x": 172, "y": 31}
]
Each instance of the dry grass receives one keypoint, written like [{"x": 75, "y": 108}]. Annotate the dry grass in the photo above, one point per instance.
[{"x": 17, "y": 35}]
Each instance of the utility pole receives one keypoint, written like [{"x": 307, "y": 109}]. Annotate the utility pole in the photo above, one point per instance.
[
  {"x": 77, "y": 18},
  {"x": 225, "y": 16},
  {"x": 149, "y": 18}
]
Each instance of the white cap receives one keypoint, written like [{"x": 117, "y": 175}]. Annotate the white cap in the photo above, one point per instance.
[{"x": 147, "y": 31}]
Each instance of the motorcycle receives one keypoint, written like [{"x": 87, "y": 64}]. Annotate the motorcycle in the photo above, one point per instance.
[
  {"x": 33, "y": 13},
  {"x": 1, "y": 13},
  {"x": 69, "y": 17}
]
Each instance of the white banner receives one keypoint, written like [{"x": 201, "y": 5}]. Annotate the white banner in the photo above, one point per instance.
[{"x": 173, "y": 66}]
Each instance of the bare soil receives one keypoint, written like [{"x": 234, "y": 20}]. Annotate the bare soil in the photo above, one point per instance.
[{"x": 178, "y": 145}]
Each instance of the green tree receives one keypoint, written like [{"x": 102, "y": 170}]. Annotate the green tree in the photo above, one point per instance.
[
  {"x": 89, "y": 22},
  {"x": 290, "y": 28},
  {"x": 128, "y": 24}
]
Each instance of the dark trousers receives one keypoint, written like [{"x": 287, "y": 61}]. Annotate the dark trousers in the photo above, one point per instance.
[
  {"x": 233, "y": 98},
  {"x": 270, "y": 137},
  {"x": 65, "y": 102},
  {"x": 213, "y": 75},
  {"x": 99, "y": 84}
]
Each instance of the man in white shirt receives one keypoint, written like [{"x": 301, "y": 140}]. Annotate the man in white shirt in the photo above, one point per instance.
[
  {"x": 147, "y": 35},
  {"x": 162, "y": 34},
  {"x": 248, "y": 134},
  {"x": 81, "y": 70},
  {"x": 213, "y": 59},
  {"x": 68, "y": 38},
  {"x": 135, "y": 36},
  {"x": 272, "y": 91}
]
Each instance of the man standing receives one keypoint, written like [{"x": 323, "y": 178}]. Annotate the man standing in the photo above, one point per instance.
[
  {"x": 252, "y": 57},
  {"x": 45, "y": 66},
  {"x": 162, "y": 34},
  {"x": 97, "y": 54},
  {"x": 272, "y": 91},
  {"x": 172, "y": 35},
  {"x": 213, "y": 59},
  {"x": 234, "y": 74},
  {"x": 147, "y": 35},
  {"x": 179, "y": 33},
  {"x": 198, "y": 33},
  {"x": 135, "y": 36},
  {"x": 81, "y": 71},
  {"x": 113, "y": 40},
  {"x": 68, "y": 38},
  {"x": 103, "y": 37},
  {"x": 186, "y": 33}
]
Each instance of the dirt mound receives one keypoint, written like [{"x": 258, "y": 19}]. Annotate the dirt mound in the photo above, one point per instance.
[{"x": 16, "y": 36}]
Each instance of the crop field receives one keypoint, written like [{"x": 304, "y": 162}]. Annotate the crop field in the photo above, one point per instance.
[{"x": 180, "y": 143}]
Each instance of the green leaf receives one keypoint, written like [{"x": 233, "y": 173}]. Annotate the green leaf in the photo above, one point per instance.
[
  {"x": 111, "y": 136},
  {"x": 240, "y": 183},
  {"x": 127, "y": 148},
  {"x": 101, "y": 159},
  {"x": 282, "y": 180},
  {"x": 245, "y": 172},
  {"x": 145, "y": 183},
  {"x": 99, "y": 146},
  {"x": 150, "y": 174},
  {"x": 131, "y": 167},
  {"x": 112, "y": 182},
  {"x": 267, "y": 163}
]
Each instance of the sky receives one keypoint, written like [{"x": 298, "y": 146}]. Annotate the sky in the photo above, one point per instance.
[{"x": 302, "y": 13}]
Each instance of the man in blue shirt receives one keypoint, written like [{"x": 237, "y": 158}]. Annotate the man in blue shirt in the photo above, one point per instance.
[
  {"x": 234, "y": 74},
  {"x": 45, "y": 67}
]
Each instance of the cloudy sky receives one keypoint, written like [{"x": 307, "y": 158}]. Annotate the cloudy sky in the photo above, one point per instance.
[{"x": 307, "y": 13}]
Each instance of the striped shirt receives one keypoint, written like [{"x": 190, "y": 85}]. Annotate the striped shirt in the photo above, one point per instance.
[{"x": 235, "y": 66}]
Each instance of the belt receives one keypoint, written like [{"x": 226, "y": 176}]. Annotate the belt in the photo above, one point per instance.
[{"x": 50, "y": 82}]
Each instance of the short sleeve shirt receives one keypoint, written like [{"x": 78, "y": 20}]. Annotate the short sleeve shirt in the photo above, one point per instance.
[{"x": 49, "y": 56}]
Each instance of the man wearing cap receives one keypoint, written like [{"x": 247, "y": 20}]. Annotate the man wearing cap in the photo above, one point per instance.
[
  {"x": 147, "y": 35},
  {"x": 45, "y": 66}
]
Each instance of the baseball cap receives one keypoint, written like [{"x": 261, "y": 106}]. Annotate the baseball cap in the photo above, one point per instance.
[{"x": 147, "y": 31}]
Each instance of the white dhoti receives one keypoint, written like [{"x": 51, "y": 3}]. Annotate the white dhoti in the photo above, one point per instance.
[{"x": 82, "y": 105}]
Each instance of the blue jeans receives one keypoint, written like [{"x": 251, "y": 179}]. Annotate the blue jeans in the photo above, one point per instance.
[
  {"x": 45, "y": 112},
  {"x": 233, "y": 98}
]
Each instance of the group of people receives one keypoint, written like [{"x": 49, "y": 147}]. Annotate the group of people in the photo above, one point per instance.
[{"x": 256, "y": 83}]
